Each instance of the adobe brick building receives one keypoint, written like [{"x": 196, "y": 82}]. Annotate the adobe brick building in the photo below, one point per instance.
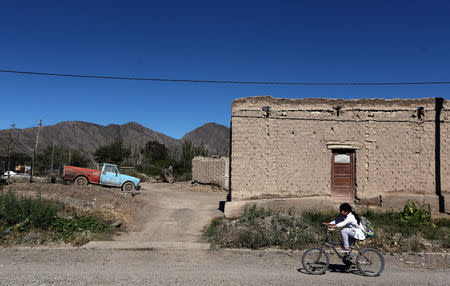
[
  {"x": 211, "y": 170},
  {"x": 317, "y": 153}
]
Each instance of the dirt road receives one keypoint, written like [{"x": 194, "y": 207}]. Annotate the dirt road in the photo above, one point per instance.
[
  {"x": 193, "y": 267},
  {"x": 173, "y": 213}
]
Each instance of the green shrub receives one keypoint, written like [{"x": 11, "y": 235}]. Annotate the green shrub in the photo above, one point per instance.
[
  {"x": 11, "y": 212},
  {"x": 414, "y": 213},
  {"x": 253, "y": 238},
  {"x": 25, "y": 214},
  {"x": 37, "y": 213},
  {"x": 392, "y": 222},
  {"x": 42, "y": 213},
  {"x": 251, "y": 213},
  {"x": 315, "y": 218},
  {"x": 213, "y": 228},
  {"x": 66, "y": 228}
]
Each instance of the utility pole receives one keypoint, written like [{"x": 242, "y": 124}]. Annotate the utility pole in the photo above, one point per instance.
[
  {"x": 10, "y": 145},
  {"x": 53, "y": 156},
  {"x": 34, "y": 152},
  {"x": 70, "y": 153}
]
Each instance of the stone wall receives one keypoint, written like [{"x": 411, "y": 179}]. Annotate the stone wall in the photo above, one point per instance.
[
  {"x": 211, "y": 171},
  {"x": 285, "y": 149}
]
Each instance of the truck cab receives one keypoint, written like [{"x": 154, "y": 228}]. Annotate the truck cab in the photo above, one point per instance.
[{"x": 111, "y": 176}]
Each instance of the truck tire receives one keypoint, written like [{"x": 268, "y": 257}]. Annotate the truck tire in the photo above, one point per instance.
[
  {"x": 128, "y": 187},
  {"x": 81, "y": 181}
]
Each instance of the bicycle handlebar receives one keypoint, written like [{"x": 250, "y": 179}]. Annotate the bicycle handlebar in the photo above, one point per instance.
[{"x": 329, "y": 228}]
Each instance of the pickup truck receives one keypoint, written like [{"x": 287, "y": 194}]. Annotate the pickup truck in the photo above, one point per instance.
[{"x": 109, "y": 176}]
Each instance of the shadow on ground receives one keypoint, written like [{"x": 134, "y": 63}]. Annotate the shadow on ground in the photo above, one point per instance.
[{"x": 336, "y": 268}]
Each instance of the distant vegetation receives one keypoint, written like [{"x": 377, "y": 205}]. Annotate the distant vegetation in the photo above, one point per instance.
[
  {"x": 150, "y": 160},
  {"x": 51, "y": 159},
  {"x": 61, "y": 156},
  {"x": 114, "y": 153},
  {"x": 156, "y": 156},
  {"x": 183, "y": 167},
  {"x": 21, "y": 159}
]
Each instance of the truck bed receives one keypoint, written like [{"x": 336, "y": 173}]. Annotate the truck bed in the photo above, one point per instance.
[{"x": 70, "y": 173}]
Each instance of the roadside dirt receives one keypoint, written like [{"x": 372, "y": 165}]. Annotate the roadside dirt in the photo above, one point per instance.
[{"x": 110, "y": 203}]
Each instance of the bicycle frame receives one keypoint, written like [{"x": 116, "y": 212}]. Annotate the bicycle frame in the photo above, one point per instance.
[
  {"x": 331, "y": 244},
  {"x": 319, "y": 262}
]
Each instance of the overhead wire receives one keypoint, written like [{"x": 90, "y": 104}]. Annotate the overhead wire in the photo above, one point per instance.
[{"x": 226, "y": 81}]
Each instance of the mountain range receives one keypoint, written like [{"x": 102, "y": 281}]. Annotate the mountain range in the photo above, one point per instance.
[{"x": 85, "y": 136}]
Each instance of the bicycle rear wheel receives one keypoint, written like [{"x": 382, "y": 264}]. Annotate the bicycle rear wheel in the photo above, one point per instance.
[
  {"x": 315, "y": 261},
  {"x": 370, "y": 262}
]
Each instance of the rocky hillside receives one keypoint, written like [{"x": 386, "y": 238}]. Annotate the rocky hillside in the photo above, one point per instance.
[
  {"x": 89, "y": 136},
  {"x": 215, "y": 137}
]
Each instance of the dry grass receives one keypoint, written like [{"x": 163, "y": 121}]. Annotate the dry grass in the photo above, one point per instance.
[{"x": 260, "y": 228}]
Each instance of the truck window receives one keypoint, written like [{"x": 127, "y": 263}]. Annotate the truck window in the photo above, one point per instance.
[{"x": 110, "y": 169}]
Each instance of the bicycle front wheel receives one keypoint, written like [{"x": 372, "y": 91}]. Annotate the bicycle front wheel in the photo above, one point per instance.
[
  {"x": 315, "y": 261},
  {"x": 370, "y": 262}
]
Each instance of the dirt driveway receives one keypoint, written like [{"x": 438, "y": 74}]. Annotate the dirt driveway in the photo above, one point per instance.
[{"x": 173, "y": 213}]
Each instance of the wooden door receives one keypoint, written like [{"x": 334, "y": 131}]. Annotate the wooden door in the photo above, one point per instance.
[{"x": 343, "y": 175}]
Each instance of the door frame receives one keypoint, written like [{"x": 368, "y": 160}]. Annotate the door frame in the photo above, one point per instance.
[{"x": 352, "y": 153}]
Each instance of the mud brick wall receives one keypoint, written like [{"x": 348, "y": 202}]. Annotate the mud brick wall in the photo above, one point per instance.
[
  {"x": 445, "y": 151},
  {"x": 286, "y": 152},
  {"x": 211, "y": 171}
]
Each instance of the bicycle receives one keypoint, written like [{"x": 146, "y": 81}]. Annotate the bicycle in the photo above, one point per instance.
[{"x": 369, "y": 261}]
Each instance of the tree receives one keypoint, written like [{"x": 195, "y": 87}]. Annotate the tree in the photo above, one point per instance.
[
  {"x": 114, "y": 153},
  {"x": 79, "y": 159},
  {"x": 188, "y": 152},
  {"x": 155, "y": 151},
  {"x": 21, "y": 158},
  {"x": 60, "y": 156},
  {"x": 201, "y": 150},
  {"x": 155, "y": 158}
]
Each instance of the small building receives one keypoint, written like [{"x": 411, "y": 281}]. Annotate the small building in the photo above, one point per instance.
[
  {"x": 317, "y": 153},
  {"x": 211, "y": 170}
]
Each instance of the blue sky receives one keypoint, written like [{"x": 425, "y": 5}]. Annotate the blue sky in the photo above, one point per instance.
[{"x": 307, "y": 41}]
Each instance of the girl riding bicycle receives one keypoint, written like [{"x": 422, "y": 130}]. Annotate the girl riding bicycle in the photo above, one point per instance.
[{"x": 353, "y": 228}]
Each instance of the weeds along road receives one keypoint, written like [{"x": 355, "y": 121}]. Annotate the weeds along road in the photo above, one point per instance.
[{"x": 191, "y": 267}]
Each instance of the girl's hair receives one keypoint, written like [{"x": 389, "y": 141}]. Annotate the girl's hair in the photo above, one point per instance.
[{"x": 346, "y": 207}]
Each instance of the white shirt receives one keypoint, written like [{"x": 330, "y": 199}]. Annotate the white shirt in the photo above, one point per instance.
[{"x": 350, "y": 222}]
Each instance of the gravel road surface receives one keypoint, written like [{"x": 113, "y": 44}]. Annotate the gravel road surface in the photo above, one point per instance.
[{"x": 197, "y": 267}]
